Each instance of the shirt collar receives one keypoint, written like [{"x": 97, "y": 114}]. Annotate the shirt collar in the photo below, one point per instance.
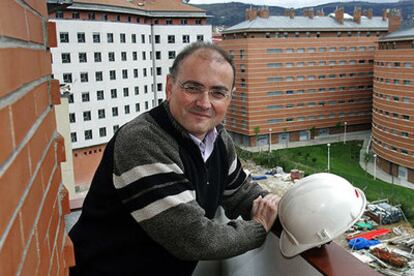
[{"x": 206, "y": 145}]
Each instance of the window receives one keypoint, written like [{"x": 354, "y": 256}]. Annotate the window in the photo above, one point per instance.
[
  {"x": 91, "y": 16},
  {"x": 322, "y": 49},
  {"x": 362, "y": 48},
  {"x": 81, "y": 38},
  {"x": 198, "y": 21},
  {"x": 134, "y": 55},
  {"x": 88, "y": 134},
  {"x": 96, "y": 38},
  {"x": 101, "y": 113},
  {"x": 70, "y": 100},
  {"x": 200, "y": 38},
  {"x": 159, "y": 86},
  {"x": 85, "y": 97},
  {"x": 97, "y": 56},
  {"x": 145, "y": 89},
  {"x": 144, "y": 55},
  {"x": 75, "y": 15},
  {"x": 126, "y": 91},
  {"x": 157, "y": 39},
  {"x": 82, "y": 58},
  {"x": 300, "y": 50},
  {"x": 136, "y": 89},
  {"x": 113, "y": 93},
  {"x": 110, "y": 37},
  {"x": 67, "y": 77},
  {"x": 134, "y": 38},
  {"x": 123, "y": 56},
  {"x": 73, "y": 137},
  {"x": 171, "y": 54},
  {"x": 274, "y": 65},
  {"x": 72, "y": 118},
  {"x": 99, "y": 95},
  {"x": 159, "y": 71},
  {"x": 290, "y": 50},
  {"x": 124, "y": 73},
  {"x": 114, "y": 111},
  {"x": 86, "y": 115},
  {"x": 126, "y": 109},
  {"x": 104, "y": 17},
  {"x": 171, "y": 39},
  {"x": 112, "y": 75},
  {"x": 98, "y": 76},
  {"x": 111, "y": 56},
  {"x": 143, "y": 39},
  {"x": 122, "y": 38},
  {"x": 135, "y": 73},
  {"x": 115, "y": 128},
  {"x": 84, "y": 77},
  {"x": 168, "y": 21},
  {"x": 183, "y": 22},
  {"x": 157, "y": 55},
  {"x": 137, "y": 107},
  {"x": 144, "y": 72},
  {"x": 186, "y": 39},
  {"x": 102, "y": 131},
  {"x": 64, "y": 37},
  {"x": 65, "y": 57}
]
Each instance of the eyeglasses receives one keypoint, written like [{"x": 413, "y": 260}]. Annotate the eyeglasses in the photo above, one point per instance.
[{"x": 195, "y": 90}]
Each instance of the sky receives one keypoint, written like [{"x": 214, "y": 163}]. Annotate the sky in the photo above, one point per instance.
[{"x": 284, "y": 3}]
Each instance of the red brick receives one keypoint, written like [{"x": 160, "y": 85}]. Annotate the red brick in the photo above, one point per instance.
[
  {"x": 20, "y": 66},
  {"x": 54, "y": 263},
  {"x": 13, "y": 20},
  {"x": 31, "y": 206},
  {"x": 60, "y": 148},
  {"x": 32, "y": 259},
  {"x": 11, "y": 252},
  {"x": 41, "y": 98},
  {"x": 39, "y": 6},
  {"x": 47, "y": 166},
  {"x": 45, "y": 256},
  {"x": 6, "y": 139},
  {"x": 52, "y": 34},
  {"x": 55, "y": 91},
  {"x": 23, "y": 112},
  {"x": 34, "y": 23},
  {"x": 68, "y": 252},
  {"x": 53, "y": 226},
  {"x": 12, "y": 185},
  {"x": 64, "y": 197}
]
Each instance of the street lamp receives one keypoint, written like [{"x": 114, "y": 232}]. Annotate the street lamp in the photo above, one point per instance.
[
  {"x": 270, "y": 138},
  {"x": 375, "y": 166},
  {"x": 345, "y": 131},
  {"x": 329, "y": 157}
]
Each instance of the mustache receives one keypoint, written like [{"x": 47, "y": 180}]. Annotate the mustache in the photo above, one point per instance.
[{"x": 197, "y": 109}]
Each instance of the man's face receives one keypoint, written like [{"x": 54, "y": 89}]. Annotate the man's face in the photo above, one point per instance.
[{"x": 199, "y": 113}]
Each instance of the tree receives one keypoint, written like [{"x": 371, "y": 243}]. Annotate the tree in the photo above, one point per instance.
[
  {"x": 312, "y": 131},
  {"x": 367, "y": 158},
  {"x": 338, "y": 127},
  {"x": 256, "y": 132}
]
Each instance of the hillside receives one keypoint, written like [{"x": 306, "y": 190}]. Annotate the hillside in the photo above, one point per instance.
[{"x": 229, "y": 14}]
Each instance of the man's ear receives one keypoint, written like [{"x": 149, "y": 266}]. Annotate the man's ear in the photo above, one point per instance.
[{"x": 168, "y": 86}]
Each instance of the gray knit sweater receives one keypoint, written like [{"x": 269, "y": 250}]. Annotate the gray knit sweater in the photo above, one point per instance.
[{"x": 154, "y": 197}]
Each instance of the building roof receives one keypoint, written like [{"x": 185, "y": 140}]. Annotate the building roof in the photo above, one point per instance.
[
  {"x": 144, "y": 5},
  {"x": 320, "y": 23},
  {"x": 404, "y": 34}
]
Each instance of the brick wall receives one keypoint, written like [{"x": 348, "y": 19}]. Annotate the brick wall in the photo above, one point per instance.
[{"x": 33, "y": 200}]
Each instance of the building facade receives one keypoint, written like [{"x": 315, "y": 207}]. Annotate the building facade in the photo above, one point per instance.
[
  {"x": 114, "y": 56},
  {"x": 393, "y": 105},
  {"x": 302, "y": 76}
]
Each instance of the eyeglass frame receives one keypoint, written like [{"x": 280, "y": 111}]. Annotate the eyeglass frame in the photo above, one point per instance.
[{"x": 200, "y": 89}]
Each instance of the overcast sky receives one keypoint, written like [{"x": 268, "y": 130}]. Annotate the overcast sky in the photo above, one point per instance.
[{"x": 284, "y": 3}]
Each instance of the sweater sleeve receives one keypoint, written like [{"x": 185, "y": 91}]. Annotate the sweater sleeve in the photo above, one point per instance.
[
  {"x": 151, "y": 184},
  {"x": 240, "y": 191}
]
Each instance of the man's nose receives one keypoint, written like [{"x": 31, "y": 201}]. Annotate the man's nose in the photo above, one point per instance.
[{"x": 203, "y": 100}]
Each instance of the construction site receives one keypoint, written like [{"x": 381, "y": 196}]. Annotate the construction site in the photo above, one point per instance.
[{"x": 382, "y": 238}]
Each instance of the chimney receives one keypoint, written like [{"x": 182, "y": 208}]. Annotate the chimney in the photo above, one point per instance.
[
  {"x": 357, "y": 15},
  {"x": 250, "y": 14},
  {"x": 339, "y": 15},
  {"x": 370, "y": 13},
  {"x": 292, "y": 13},
  {"x": 263, "y": 12},
  {"x": 384, "y": 14},
  {"x": 311, "y": 13},
  {"x": 394, "y": 20}
]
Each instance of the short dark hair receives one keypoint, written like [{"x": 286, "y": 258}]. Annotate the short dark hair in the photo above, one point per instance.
[{"x": 193, "y": 47}]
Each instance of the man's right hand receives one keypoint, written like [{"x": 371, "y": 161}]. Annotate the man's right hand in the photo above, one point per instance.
[{"x": 264, "y": 210}]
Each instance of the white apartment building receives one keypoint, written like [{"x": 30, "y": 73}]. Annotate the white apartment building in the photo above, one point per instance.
[{"x": 115, "y": 56}]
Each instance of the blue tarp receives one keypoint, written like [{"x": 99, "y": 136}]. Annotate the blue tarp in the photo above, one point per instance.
[
  {"x": 362, "y": 243},
  {"x": 259, "y": 177}
]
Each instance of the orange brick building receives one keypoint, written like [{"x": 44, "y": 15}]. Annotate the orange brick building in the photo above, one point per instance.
[
  {"x": 393, "y": 104},
  {"x": 33, "y": 239},
  {"x": 302, "y": 76}
]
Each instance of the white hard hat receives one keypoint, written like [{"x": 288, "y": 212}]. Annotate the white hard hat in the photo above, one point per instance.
[{"x": 316, "y": 210}]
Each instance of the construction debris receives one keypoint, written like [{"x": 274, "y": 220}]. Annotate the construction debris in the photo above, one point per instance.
[
  {"x": 389, "y": 257},
  {"x": 384, "y": 213}
]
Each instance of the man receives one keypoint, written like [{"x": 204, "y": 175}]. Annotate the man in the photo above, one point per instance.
[{"x": 150, "y": 206}]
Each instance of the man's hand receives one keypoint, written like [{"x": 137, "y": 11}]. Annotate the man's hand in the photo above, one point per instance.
[{"x": 264, "y": 210}]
